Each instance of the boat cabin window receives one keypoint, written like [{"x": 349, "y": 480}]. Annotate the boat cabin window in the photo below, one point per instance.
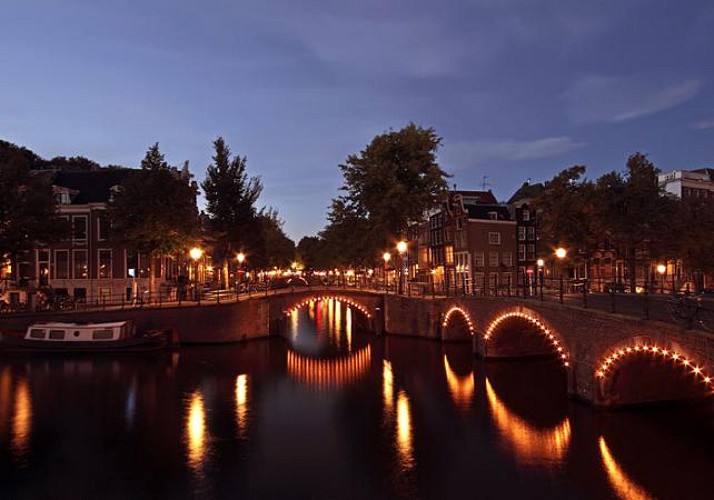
[
  {"x": 37, "y": 334},
  {"x": 56, "y": 334},
  {"x": 105, "y": 334}
]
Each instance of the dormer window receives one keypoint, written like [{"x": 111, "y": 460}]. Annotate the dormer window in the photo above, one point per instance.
[
  {"x": 62, "y": 198},
  {"x": 493, "y": 215},
  {"x": 526, "y": 215}
]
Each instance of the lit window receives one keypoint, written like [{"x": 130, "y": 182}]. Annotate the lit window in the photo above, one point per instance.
[{"x": 494, "y": 238}]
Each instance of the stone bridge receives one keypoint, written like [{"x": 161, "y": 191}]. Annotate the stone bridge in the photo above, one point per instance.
[{"x": 610, "y": 359}]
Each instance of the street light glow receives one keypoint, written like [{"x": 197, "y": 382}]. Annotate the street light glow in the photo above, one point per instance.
[
  {"x": 386, "y": 256},
  {"x": 661, "y": 268},
  {"x": 240, "y": 257},
  {"x": 402, "y": 246},
  {"x": 540, "y": 262},
  {"x": 195, "y": 253},
  {"x": 561, "y": 252}
]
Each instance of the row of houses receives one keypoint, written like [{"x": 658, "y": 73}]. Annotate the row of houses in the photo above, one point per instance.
[
  {"x": 87, "y": 264},
  {"x": 472, "y": 242}
]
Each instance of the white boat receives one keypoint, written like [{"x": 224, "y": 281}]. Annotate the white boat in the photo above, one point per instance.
[{"x": 83, "y": 337}]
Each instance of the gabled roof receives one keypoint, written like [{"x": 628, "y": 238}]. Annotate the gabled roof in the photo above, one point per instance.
[
  {"x": 473, "y": 197},
  {"x": 91, "y": 186},
  {"x": 526, "y": 192},
  {"x": 483, "y": 212}
]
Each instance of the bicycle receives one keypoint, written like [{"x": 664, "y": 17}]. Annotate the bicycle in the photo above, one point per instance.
[{"x": 686, "y": 310}]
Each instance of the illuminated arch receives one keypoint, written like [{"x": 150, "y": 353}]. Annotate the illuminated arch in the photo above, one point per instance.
[
  {"x": 347, "y": 300},
  {"x": 616, "y": 356},
  {"x": 464, "y": 314},
  {"x": 329, "y": 373},
  {"x": 550, "y": 335}
]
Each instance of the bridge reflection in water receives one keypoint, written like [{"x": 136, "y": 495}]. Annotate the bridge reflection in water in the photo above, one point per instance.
[{"x": 621, "y": 483}]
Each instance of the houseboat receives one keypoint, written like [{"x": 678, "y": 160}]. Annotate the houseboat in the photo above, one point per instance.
[{"x": 118, "y": 336}]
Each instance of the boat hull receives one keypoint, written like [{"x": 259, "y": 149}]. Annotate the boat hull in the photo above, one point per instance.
[{"x": 147, "y": 342}]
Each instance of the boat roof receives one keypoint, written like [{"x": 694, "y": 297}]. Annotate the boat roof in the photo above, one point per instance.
[{"x": 58, "y": 324}]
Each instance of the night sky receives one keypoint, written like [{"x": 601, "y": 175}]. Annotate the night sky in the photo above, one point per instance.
[{"x": 518, "y": 89}]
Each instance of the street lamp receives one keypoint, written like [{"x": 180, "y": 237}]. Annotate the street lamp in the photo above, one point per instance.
[
  {"x": 387, "y": 257},
  {"x": 541, "y": 265},
  {"x": 560, "y": 253},
  {"x": 401, "y": 248},
  {"x": 196, "y": 253},
  {"x": 241, "y": 259},
  {"x": 661, "y": 269}
]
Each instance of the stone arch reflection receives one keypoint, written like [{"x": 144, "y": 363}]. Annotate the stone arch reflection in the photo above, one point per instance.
[
  {"x": 529, "y": 443},
  {"x": 329, "y": 373},
  {"x": 461, "y": 388},
  {"x": 621, "y": 483}
]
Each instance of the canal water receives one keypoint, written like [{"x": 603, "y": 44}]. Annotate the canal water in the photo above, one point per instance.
[{"x": 331, "y": 412}]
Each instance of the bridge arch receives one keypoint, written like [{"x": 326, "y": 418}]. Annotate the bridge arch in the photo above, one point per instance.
[
  {"x": 342, "y": 298},
  {"x": 658, "y": 371},
  {"x": 548, "y": 334},
  {"x": 449, "y": 320}
]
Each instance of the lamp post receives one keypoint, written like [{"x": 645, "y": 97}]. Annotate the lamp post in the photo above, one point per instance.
[
  {"x": 196, "y": 253},
  {"x": 241, "y": 259},
  {"x": 561, "y": 253},
  {"x": 387, "y": 257},
  {"x": 661, "y": 270},
  {"x": 401, "y": 248},
  {"x": 541, "y": 264}
]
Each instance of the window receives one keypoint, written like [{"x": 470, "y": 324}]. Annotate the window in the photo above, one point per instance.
[
  {"x": 79, "y": 227},
  {"x": 103, "y": 227},
  {"x": 132, "y": 264},
  {"x": 526, "y": 214},
  {"x": 531, "y": 252},
  {"x": 105, "y": 264},
  {"x": 521, "y": 252},
  {"x": 493, "y": 259},
  {"x": 479, "y": 280},
  {"x": 531, "y": 233},
  {"x": 81, "y": 270},
  {"x": 494, "y": 238},
  {"x": 479, "y": 259},
  {"x": 507, "y": 259},
  {"x": 521, "y": 233},
  {"x": 459, "y": 223},
  {"x": 449, "y": 255},
  {"x": 64, "y": 220},
  {"x": 37, "y": 334},
  {"x": 103, "y": 334},
  {"x": 56, "y": 334},
  {"x": 493, "y": 215},
  {"x": 62, "y": 264}
]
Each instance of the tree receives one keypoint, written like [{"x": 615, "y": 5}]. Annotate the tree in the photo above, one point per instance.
[
  {"x": 27, "y": 207},
  {"x": 566, "y": 213},
  {"x": 154, "y": 211},
  {"x": 390, "y": 184},
  {"x": 312, "y": 252},
  {"x": 279, "y": 249},
  {"x": 230, "y": 204},
  {"x": 635, "y": 213}
]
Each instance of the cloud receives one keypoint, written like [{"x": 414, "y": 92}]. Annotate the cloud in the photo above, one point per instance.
[
  {"x": 474, "y": 153},
  {"x": 618, "y": 99},
  {"x": 705, "y": 124}
]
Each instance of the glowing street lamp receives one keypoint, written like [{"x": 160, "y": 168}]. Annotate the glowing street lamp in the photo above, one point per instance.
[
  {"x": 196, "y": 253},
  {"x": 661, "y": 269},
  {"x": 387, "y": 257},
  {"x": 241, "y": 259},
  {"x": 561, "y": 253},
  {"x": 401, "y": 248}
]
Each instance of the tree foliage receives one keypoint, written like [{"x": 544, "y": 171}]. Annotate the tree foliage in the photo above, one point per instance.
[
  {"x": 230, "y": 204},
  {"x": 388, "y": 185},
  {"x": 27, "y": 207},
  {"x": 154, "y": 211},
  {"x": 279, "y": 248}
]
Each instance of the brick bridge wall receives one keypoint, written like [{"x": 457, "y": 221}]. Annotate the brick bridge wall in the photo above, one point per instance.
[{"x": 609, "y": 359}]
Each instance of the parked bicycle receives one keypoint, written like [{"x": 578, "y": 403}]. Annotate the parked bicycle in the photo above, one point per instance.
[{"x": 690, "y": 310}]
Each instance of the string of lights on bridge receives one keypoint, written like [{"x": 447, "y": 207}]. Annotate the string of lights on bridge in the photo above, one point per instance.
[
  {"x": 607, "y": 365},
  {"x": 329, "y": 373},
  {"x": 346, "y": 300},
  {"x": 542, "y": 328},
  {"x": 463, "y": 313}
]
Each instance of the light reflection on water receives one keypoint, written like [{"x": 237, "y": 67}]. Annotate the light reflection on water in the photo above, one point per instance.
[
  {"x": 530, "y": 445},
  {"x": 621, "y": 483},
  {"x": 374, "y": 418}
]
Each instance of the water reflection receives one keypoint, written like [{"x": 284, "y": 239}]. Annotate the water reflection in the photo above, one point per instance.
[
  {"x": 460, "y": 387},
  {"x": 404, "y": 432},
  {"x": 331, "y": 373},
  {"x": 530, "y": 444},
  {"x": 196, "y": 433},
  {"x": 387, "y": 386},
  {"x": 21, "y": 421},
  {"x": 621, "y": 483},
  {"x": 242, "y": 404},
  {"x": 321, "y": 327}
]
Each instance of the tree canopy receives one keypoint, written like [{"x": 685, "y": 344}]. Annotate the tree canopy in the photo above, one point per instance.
[
  {"x": 154, "y": 211},
  {"x": 388, "y": 185},
  {"x": 27, "y": 207}
]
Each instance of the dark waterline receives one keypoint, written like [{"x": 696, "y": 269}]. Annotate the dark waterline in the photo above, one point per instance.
[{"x": 329, "y": 412}]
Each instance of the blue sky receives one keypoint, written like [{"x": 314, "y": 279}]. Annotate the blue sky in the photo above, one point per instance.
[{"x": 518, "y": 89}]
